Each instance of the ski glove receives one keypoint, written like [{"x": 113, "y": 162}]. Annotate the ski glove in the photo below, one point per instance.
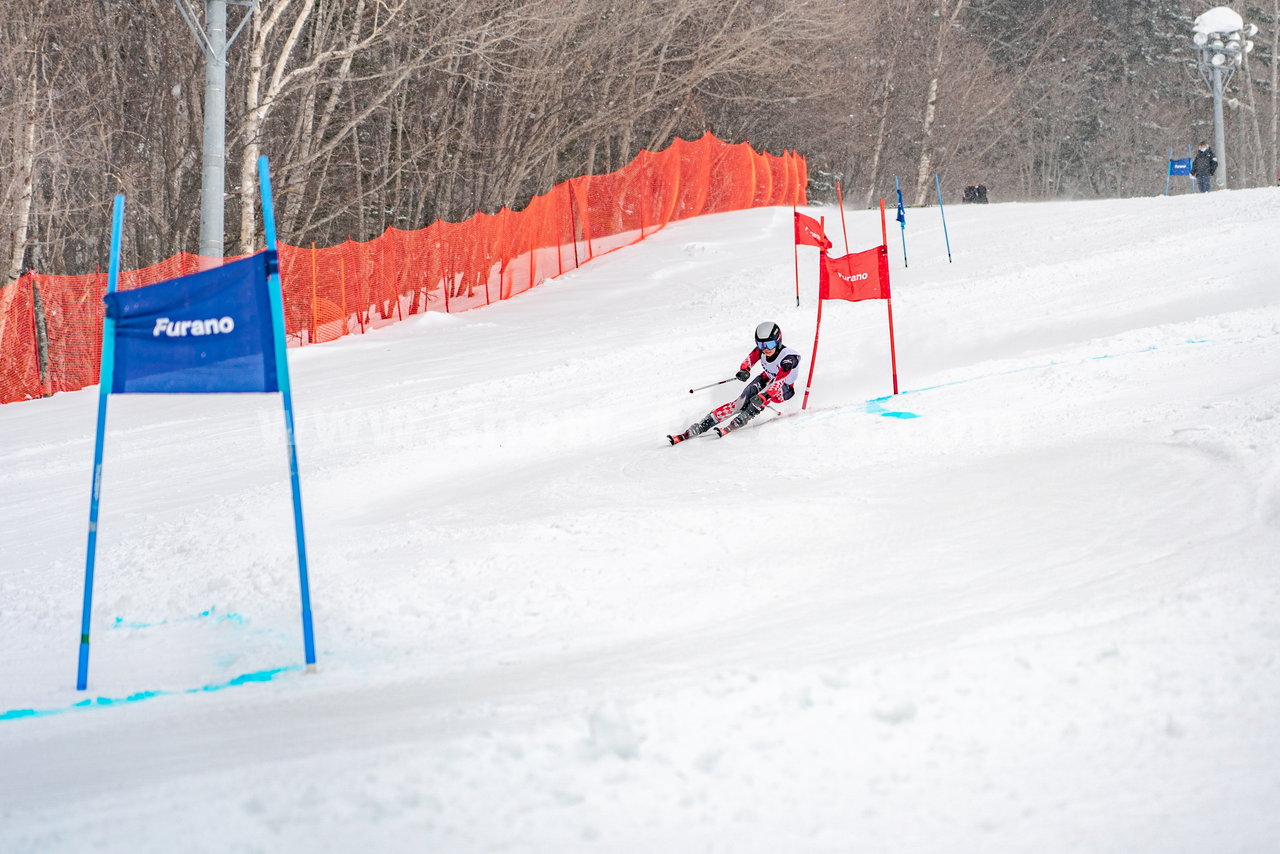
[{"x": 743, "y": 375}]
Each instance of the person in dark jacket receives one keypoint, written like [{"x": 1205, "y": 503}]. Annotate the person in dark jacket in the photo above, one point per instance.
[{"x": 1203, "y": 167}]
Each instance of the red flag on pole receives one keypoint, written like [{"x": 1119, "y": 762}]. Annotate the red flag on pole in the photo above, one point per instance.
[
  {"x": 859, "y": 276},
  {"x": 854, "y": 277},
  {"x": 810, "y": 233}
]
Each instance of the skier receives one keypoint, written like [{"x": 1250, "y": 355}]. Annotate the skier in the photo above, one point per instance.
[{"x": 780, "y": 367}]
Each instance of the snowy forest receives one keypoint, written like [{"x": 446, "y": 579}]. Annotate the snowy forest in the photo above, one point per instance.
[{"x": 380, "y": 113}]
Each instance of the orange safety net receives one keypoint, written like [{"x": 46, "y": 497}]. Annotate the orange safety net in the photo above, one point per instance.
[
  {"x": 19, "y": 360},
  {"x": 347, "y": 289}
]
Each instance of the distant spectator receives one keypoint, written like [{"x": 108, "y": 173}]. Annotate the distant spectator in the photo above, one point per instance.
[
  {"x": 1203, "y": 167},
  {"x": 976, "y": 194}
]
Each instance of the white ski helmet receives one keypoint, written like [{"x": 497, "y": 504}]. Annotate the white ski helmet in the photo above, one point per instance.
[{"x": 769, "y": 334}]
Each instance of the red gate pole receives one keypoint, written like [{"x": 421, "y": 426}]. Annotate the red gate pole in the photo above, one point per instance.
[
  {"x": 817, "y": 328},
  {"x": 795, "y": 252},
  {"x": 893, "y": 355},
  {"x": 822, "y": 256},
  {"x": 884, "y": 248},
  {"x": 843, "y": 230}
]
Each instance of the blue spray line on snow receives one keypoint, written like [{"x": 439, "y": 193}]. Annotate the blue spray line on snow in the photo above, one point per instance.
[
  {"x": 210, "y": 613},
  {"x": 100, "y": 702},
  {"x": 876, "y": 406}
]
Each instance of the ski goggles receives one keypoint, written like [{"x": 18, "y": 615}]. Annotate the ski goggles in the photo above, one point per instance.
[{"x": 767, "y": 345}]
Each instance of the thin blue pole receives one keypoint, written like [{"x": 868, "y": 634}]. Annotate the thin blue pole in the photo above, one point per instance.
[
  {"x": 282, "y": 374},
  {"x": 902, "y": 223},
  {"x": 938, "y": 186},
  {"x": 105, "y": 378},
  {"x": 1190, "y": 177}
]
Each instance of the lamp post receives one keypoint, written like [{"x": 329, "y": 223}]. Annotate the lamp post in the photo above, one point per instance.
[
  {"x": 213, "y": 41},
  {"x": 1220, "y": 39}
]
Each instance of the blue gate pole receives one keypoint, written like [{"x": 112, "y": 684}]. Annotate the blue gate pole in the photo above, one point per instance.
[
  {"x": 282, "y": 374},
  {"x": 105, "y": 377},
  {"x": 902, "y": 223},
  {"x": 1190, "y": 177},
  {"x": 938, "y": 186}
]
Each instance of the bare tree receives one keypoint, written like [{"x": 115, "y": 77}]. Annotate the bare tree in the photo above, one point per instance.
[
  {"x": 382, "y": 113},
  {"x": 25, "y": 33},
  {"x": 947, "y": 14}
]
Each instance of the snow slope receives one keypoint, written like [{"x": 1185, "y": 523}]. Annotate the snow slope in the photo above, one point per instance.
[{"x": 1030, "y": 604}]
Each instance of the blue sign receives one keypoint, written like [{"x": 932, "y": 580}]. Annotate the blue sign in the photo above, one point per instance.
[
  {"x": 1180, "y": 167},
  {"x": 902, "y": 214},
  {"x": 207, "y": 332}
]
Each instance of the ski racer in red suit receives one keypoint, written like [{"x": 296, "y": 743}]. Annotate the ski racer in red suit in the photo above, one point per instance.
[{"x": 780, "y": 367}]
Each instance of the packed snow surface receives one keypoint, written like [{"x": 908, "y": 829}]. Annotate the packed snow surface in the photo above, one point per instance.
[{"x": 1030, "y": 604}]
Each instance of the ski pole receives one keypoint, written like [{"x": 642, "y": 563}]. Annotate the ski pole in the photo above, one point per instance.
[{"x": 711, "y": 385}]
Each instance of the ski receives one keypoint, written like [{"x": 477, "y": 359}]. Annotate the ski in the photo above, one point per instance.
[
  {"x": 736, "y": 418},
  {"x": 732, "y": 424}
]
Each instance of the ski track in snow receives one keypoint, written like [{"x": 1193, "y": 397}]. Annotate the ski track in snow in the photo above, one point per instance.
[{"x": 1030, "y": 604}]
